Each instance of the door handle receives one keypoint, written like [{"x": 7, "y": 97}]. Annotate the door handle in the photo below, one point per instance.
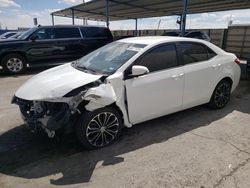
[
  {"x": 176, "y": 76},
  {"x": 217, "y": 65},
  {"x": 214, "y": 66}
]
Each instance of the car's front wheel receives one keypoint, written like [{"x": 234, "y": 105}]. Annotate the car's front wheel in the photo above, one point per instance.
[
  {"x": 99, "y": 128},
  {"x": 14, "y": 63},
  {"x": 221, "y": 95}
]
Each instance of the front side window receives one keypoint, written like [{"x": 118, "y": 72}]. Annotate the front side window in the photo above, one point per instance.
[
  {"x": 107, "y": 59},
  {"x": 160, "y": 58},
  {"x": 45, "y": 33},
  {"x": 61, "y": 33},
  {"x": 27, "y": 33},
  {"x": 195, "y": 52}
]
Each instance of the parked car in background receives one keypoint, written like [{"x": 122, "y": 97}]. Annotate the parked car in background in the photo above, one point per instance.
[
  {"x": 198, "y": 35},
  {"x": 127, "y": 82},
  {"x": 172, "y": 33},
  {"x": 18, "y": 34},
  {"x": 8, "y": 34},
  {"x": 47, "y": 45},
  {"x": 194, "y": 34}
]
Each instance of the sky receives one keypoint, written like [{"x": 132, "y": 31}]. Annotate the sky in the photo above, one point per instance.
[{"x": 20, "y": 13}]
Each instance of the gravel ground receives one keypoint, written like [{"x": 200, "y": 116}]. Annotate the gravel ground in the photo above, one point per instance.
[{"x": 198, "y": 147}]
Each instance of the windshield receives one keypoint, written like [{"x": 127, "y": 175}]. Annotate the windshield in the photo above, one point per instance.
[
  {"x": 109, "y": 58},
  {"x": 27, "y": 33}
]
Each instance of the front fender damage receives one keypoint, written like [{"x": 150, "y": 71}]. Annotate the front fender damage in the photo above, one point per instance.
[{"x": 93, "y": 97}]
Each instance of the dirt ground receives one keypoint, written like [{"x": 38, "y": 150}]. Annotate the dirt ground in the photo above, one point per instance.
[{"x": 198, "y": 147}]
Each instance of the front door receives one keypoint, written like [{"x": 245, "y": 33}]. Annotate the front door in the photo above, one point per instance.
[
  {"x": 159, "y": 92},
  {"x": 44, "y": 49}
]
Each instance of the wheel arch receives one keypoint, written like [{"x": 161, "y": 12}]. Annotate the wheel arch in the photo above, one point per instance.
[
  {"x": 211, "y": 101},
  {"x": 227, "y": 78},
  {"x": 113, "y": 105},
  {"x": 82, "y": 109},
  {"x": 13, "y": 52}
]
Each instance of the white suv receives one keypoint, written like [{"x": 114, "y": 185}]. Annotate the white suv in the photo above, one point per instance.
[{"x": 127, "y": 82}]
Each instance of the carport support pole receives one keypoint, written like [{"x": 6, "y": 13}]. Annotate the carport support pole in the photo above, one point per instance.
[
  {"x": 136, "y": 28},
  {"x": 73, "y": 16},
  {"x": 52, "y": 16},
  {"x": 183, "y": 17},
  {"x": 107, "y": 13}
]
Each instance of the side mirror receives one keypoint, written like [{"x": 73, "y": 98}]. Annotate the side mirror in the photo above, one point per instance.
[
  {"x": 33, "y": 37},
  {"x": 138, "y": 70}
]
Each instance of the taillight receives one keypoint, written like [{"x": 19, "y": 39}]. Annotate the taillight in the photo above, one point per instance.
[{"x": 237, "y": 61}]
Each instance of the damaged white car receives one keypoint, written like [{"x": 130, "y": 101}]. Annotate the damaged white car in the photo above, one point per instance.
[{"x": 127, "y": 82}]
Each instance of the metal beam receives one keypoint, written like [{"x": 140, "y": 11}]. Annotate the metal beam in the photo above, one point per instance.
[
  {"x": 107, "y": 13},
  {"x": 97, "y": 13},
  {"x": 183, "y": 17},
  {"x": 136, "y": 28},
  {"x": 73, "y": 16},
  {"x": 52, "y": 17}
]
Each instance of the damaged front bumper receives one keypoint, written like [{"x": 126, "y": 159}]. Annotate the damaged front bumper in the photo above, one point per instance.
[
  {"x": 59, "y": 112},
  {"x": 49, "y": 116}
]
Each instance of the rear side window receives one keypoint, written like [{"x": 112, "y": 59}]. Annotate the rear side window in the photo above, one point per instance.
[
  {"x": 160, "y": 58},
  {"x": 45, "y": 33},
  {"x": 211, "y": 53},
  {"x": 61, "y": 33},
  {"x": 96, "y": 32},
  {"x": 195, "y": 52}
]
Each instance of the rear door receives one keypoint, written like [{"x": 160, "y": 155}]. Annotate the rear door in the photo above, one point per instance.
[
  {"x": 201, "y": 72},
  {"x": 159, "y": 92},
  {"x": 70, "y": 40}
]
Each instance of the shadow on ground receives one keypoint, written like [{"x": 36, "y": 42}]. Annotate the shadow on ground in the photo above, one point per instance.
[{"x": 39, "y": 157}]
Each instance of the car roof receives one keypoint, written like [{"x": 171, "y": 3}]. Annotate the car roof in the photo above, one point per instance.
[
  {"x": 73, "y": 26},
  {"x": 155, "y": 40},
  {"x": 158, "y": 39}
]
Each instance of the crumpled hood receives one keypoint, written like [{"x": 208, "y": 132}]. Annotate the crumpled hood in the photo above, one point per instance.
[{"x": 54, "y": 83}]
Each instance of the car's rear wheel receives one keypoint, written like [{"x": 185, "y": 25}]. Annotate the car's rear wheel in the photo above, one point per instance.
[
  {"x": 99, "y": 128},
  {"x": 221, "y": 95},
  {"x": 14, "y": 63}
]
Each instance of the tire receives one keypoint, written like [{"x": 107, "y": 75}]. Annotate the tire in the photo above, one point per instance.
[
  {"x": 14, "y": 63},
  {"x": 92, "y": 130},
  {"x": 221, "y": 95}
]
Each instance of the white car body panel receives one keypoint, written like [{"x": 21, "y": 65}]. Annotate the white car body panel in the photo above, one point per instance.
[
  {"x": 141, "y": 98},
  {"x": 200, "y": 81},
  {"x": 154, "y": 94},
  {"x": 54, "y": 83}
]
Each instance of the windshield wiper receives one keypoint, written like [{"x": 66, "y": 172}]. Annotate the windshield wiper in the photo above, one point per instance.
[
  {"x": 81, "y": 67},
  {"x": 85, "y": 69}
]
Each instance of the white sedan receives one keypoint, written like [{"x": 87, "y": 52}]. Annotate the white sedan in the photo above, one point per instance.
[{"x": 127, "y": 82}]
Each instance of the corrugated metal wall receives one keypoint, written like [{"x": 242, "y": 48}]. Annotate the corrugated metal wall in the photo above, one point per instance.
[
  {"x": 235, "y": 39},
  {"x": 238, "y": 41}
]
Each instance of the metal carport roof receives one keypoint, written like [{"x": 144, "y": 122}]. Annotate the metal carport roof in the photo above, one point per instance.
[
  {"x": 132, "y": 9},
  {"x": 111, "y": 10}
]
